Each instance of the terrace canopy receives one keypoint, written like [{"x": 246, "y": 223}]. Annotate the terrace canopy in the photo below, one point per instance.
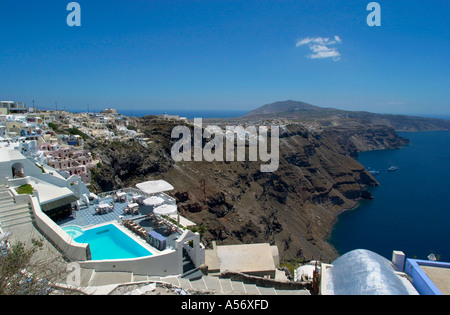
[
  {"x": 153, "y": 201},
  {"x": 165, "y": 209},
  {"x": 154, "y": 186}
]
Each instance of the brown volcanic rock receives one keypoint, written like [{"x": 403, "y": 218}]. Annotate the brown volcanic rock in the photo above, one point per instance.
[{"x": 294, "y": 207}]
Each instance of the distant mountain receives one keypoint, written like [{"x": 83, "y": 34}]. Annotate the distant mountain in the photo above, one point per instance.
[
  {"x": 292, "y": 109},
  {"x": 301, "y": 111}
]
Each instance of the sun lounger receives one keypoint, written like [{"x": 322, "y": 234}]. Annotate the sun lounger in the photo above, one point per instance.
[
  {"x": 171, "y": 229},
  {"x": 143, "y": 233}
]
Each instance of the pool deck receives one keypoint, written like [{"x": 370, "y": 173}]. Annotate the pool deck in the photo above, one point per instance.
[
  {"x": 149, "y": 226},
  {"x": 87, "y": 217}
]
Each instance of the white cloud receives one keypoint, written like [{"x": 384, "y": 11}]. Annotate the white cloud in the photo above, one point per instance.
[{"x": 319, "y": 47}]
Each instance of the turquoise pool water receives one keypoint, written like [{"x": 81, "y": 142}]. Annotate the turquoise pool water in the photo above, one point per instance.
[{"x": 109, "y": 242}]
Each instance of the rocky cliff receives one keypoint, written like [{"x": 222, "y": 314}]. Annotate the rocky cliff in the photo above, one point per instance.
[{"x": 294, "y": 207}]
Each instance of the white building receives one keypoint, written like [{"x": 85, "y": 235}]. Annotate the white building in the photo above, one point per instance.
[
  {"x": 13, "y": 107},
  {"x": 55, "y": 193},
  {"x": 363, "y": 272}
]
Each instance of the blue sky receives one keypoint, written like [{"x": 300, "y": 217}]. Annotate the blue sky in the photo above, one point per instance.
[{"x": 227, "y": 55}]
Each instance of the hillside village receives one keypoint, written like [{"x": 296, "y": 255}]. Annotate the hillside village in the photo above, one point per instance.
[
  {"x": 44, "y": 189},
  {"x": 56, "y": 138}
]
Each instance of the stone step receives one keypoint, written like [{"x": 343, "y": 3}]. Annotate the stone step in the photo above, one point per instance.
[
  {"x": 206, "y": 283},
  {"x": 139, "y": 278},
  {"x": 6, "y": 201},
  {"x": 238, "y": 287},
  {"x": 17, "y": 212},
  {"x": 14, "y": 208},
  {"x": 267, "y": 291},
  {"x": 192, "y": 274},
  {"x": 105, "y": 278},
  {"x": 5, "y": 190},
  {"x": 212, "y": 283},
  {"x": 7, "y": 224},
  {"x": 186, "y": 283},
  {"x": 199, "y": 284},
  {"x": 251, "y": 289},
  {"x": 226, "y": 285},
  {"x": 14, "y": 215},
  {"x": 85, "y": 276},
  {"x": 154, "y": 278}
]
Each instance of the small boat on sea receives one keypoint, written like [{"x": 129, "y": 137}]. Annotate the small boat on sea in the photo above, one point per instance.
[
  {"x": 392, "y": 168},
  {"x": 374, "y": 172}
]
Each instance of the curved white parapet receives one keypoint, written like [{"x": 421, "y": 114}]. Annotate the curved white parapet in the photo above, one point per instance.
[
  {"x": 165, "y": 263},
  {"x": 71, "y": 249}
]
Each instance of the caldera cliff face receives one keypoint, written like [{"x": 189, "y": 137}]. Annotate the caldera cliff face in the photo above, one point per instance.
[{"x": 294, "y": 207}]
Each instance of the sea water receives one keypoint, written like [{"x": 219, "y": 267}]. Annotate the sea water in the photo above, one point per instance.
[{"x": 411, "y": 209}]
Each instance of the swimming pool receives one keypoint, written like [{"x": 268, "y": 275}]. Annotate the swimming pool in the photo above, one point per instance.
[
  {"x": 109, "y": 242},
  {"x": 73, "y": 231}
]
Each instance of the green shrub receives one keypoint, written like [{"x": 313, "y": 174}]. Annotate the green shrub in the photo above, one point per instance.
[
  {"x": 76, "y": 131},
  {"x": 53, "y": 126},
  {"x": 25, "y": 189}
]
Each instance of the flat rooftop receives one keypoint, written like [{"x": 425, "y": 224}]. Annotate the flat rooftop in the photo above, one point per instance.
[
  {"x": 429, "y": 277},
  {"x": 440, "y": 277},
  {"x": 48, "y": 192},
  {"x": 246, "y": 258}
]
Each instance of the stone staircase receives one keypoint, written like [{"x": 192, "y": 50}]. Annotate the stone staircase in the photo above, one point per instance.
[
  {"x": 192, "y": 279},
  {"x": 189, "y": 270},
  {"x": 204, "y": 284},
  {"x": 216, "y": 285},
  {"x": 13, "y": 215}
]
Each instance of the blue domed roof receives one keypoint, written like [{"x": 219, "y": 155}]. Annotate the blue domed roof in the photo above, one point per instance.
[{"x": 363, "y": 272}]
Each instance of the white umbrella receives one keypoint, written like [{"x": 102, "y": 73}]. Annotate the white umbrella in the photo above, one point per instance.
[
  {"x": 154, "y": 186},
  {"x": 153, "y": 201},
  {"x": 165, "y": 209}
]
